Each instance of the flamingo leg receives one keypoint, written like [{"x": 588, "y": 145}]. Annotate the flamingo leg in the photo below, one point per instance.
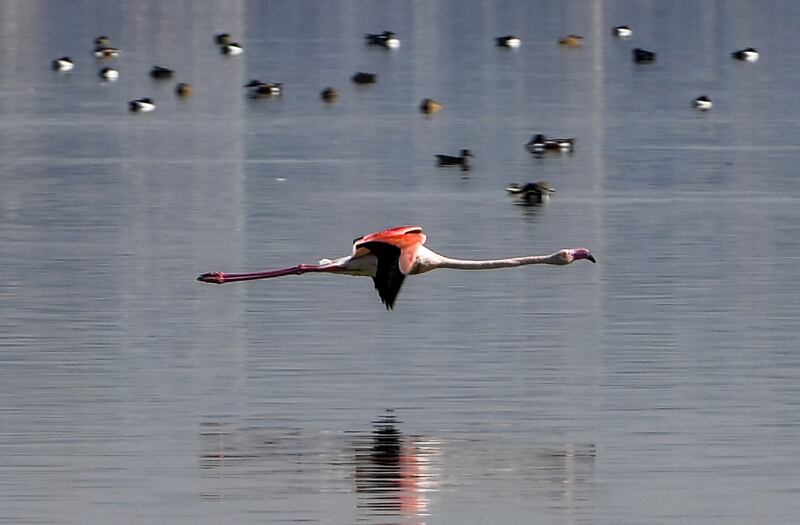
[{"x": 222, "y": 277}]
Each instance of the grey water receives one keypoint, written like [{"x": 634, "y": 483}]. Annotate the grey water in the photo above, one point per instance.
[{"x": 660, "y": 385}]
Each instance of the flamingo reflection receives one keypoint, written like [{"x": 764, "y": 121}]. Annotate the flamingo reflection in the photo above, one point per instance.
[{"x": 394, "y": 473}]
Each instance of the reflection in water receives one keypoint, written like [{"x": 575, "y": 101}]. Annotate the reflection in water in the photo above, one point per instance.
[
  {"x": 394, "y": 472},
  {"x": 568, "y": 472}
]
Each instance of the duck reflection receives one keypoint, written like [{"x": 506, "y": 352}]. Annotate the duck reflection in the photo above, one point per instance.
[{"x": 394, "y": 472}]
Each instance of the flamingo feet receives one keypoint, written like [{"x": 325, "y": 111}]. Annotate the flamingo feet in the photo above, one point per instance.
[{"x": 212, "y": 277}]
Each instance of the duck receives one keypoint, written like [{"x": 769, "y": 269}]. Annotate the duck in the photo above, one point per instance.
[
  {"x": 452, "y": 160},
  {"x": 108, "y": 74},
  {"x": 509, "y": 41},
  {"x": 571, "y": 41},
  {"x": 161, "y": 73},
  {"x": 264, "y": 89},
  {"x": 232, "y": 49},
  {"x": 386, "y": 39},
  {"x": 329, "y": 94},
  {"x": 539, "y": 144},
  {"x": 183, "y": 90},
  {"x": 364, "y": 78},
  {"x": 429, "y": 106},
  {"x": 62, "y": 64},
  {"x": 532, "y": 192},
  {"x": 748, "y": 55},
  {"x": 622, "y": 31},
  {"x": 223, "y": 39},
  {"x": 702, "y": 103},
  {"x": 106, "y": 52},
  {"x": 141, "y": 105},
  {"x": 642, "y": 55}
]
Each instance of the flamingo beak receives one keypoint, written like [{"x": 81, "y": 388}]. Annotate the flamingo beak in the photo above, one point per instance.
[{"x": 591, "y": 258}]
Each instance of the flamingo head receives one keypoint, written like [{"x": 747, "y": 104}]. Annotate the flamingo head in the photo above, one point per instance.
[{"x": 582, "y": 253}]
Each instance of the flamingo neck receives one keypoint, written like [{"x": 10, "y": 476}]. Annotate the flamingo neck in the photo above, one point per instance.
[{"x": 440, "y": 261}]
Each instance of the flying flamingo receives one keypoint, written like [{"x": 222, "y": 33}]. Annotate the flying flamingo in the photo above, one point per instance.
[{"x": 388, "y": 256}]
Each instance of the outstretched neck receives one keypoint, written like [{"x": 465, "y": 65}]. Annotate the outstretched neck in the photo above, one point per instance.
[
  {"x": 430, "y": 260},
  {"x": 488, "y": 264}
]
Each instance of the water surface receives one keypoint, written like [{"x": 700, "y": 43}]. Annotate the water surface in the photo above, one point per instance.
[{"x": 658, "y": 386}]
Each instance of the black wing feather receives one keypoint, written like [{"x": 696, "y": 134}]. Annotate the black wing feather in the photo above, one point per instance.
[{"x": 388, "y": 277}]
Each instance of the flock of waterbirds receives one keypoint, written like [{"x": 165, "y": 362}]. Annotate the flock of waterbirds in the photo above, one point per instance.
[
  {"x": 537, "y": 145},
  {"x": 390, "y": 255}
]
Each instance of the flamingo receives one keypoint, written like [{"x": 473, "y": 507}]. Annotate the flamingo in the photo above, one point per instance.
[{"x": 389, "y": 255}]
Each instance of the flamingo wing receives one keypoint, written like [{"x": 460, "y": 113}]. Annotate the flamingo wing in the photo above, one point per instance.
[
  {"x": 388, "y": 277},
  {"x": 395, "y": 250}
]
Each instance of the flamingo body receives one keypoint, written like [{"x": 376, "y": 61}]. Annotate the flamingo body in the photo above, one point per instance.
[{"x": 388, "y": 256}]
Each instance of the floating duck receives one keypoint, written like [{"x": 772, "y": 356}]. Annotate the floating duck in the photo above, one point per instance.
[
  {"x": 429, "y": 106},
  {"x": 260, "y": 89},
  {"x": 532, "y": 192},
  {"x": 364, "y": 78},
  {"x": 748, "y": 55},
  {"x": 571, "y": 41},
  {"x": 161, "y": 73},
  {"x": 702, "y": 103},
  {"x": 539, "y": 144},
  {"x": 232, "y": 49},
  {"x": 622, "y": 31},
  {"x": 106, "y": 52},
  {"x": 452, "y": 160},
  {"x": 141, "y": 105},
  {"x": 62, "y": 64},
  {"x": 329, "y": 94},
  {"x": 641, "y": 56},
  {"x": 183, "y": 90},
  {"x": 509, "y": 41},
  {"x": 108, "y": 74},
  {"x": 386, "y": 39}
]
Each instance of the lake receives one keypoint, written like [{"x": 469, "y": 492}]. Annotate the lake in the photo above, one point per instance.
[{"x": 660, "y": 385}]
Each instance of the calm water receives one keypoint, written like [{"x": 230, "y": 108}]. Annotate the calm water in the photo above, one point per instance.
[{"x": 661, "y": 385}]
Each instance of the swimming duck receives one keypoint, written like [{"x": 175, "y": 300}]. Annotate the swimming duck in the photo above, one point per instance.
[
  {"x": 748, "y": 55},
  {"x": 429, "y": 106},
  {"x": 539, "y": 144},
  {"x": 329, "y": 94},
  {"x": 264, "y": 89},
  {"x": 364, "y": 78},
  {"x": 232, "y": 49},
  {"x": 571, "y": 41},
  {"x": 222, "y": 39},
  {"x": 510, "y": 41},
  {"x": 642, "y": 56},
  {"x": 62, "y": 64},
  {"x": 451, "y": 160},
  {"x": 622, "y": 31},
  {"x": 161, "y": 73},
  {"x": 106, "y": 52},
  {"x": 702, "y": 103},
  {"x": 386, "y": 39},
  {"x": 141, "y": 105},
  {"x": 108, "y": 74},
  {"x": 532, "y": 192},
  {"x": 183, "y": 90}
]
